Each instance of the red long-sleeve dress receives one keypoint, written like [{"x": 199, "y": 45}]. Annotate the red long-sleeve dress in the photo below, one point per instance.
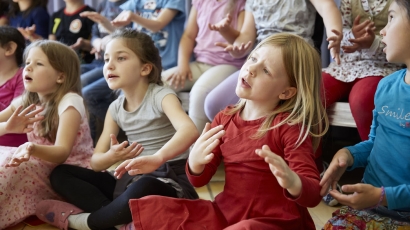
[{"x": 252, "y": 197}]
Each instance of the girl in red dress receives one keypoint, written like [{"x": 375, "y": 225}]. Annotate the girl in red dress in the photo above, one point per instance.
[{"x": 266, "y": 142}]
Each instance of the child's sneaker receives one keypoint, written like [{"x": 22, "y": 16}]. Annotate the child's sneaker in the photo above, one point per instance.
[{"x": 328, "y": 199}]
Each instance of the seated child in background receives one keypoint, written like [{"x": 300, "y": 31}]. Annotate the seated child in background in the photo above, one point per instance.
[
  {"x": 12, "y": 45},
  {"x": 53, "y": 115},
  {"x": 363, "y": 63},
  {"x": 163, "y": 21},
  {"x": 107, "y": 11},
  {"x": 266, "y": 142},
  {"x": 159, "y": 134},
  {"x": 212, "y": 63},
  {"x": 68, "y": 27},
  {"x": 381, "y": 201},
  {"x": 30, "y": 17}
]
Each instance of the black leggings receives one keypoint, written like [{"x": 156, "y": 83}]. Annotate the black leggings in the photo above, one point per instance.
[{"x": 93, "y": 192}]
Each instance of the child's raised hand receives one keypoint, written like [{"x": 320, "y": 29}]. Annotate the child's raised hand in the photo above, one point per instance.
[
  {"x": 236, "y": 51},
  {"x": 123, "y": 19},
  {"x": 95, "y": 17},
  {"x": 201, "y": 154},
  {"x": 22, "y": 121},
  {"x": 360, "y": 196},
  {"x": 22, "y": 154},
  {"x": 121, "y": 151},
  {"x": 221, "y": 25},
  {"x": 334, "y": 45},
  {"x": 178, "y": 78},
  {"x": 29, "y": 33},
  {"x": 364, "y": 36},
  {"x": 287, "y": 178},
  {"x": 341, "y": 160},
  {"x": 139, "y": 165}
]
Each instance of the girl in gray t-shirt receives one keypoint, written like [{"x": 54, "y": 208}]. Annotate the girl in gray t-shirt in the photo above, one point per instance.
[{"x": 159, "y": 134}]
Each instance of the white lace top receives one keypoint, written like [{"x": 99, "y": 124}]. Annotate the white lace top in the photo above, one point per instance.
[{"x": 366, "y": 62}]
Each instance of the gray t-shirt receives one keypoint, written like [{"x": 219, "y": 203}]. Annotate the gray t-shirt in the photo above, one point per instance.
[
  {"x": 148, "y": 125},
  {"x": 277, "y": 16}
]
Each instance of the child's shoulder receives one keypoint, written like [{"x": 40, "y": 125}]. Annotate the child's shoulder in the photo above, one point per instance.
[
  {"x": 394, "y": 77},
  {"x": 74, "y": 100}
]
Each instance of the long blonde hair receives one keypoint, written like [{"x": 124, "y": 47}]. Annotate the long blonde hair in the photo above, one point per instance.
[
  {"x": 303, "y": 67},
  {"x": 63, "y": 59}
]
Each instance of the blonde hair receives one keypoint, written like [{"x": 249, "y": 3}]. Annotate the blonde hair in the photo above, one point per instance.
[
  {"x": 63, "y": 59},
  {"x": 303, "y": 67}
]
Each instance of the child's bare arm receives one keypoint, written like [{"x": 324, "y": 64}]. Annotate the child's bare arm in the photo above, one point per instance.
[
  {"x": 186, "y": 134},
  {"x": 333, "y": 23},
  {"x": 126, "y": 17},
  {"x": 185, "y": 49}
]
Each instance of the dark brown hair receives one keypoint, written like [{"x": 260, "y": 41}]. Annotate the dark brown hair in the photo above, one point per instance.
[
  {"x": 143, "y": 46},
  {"x": 405, "y": 4},
  {"x": 10, "y": 34}
]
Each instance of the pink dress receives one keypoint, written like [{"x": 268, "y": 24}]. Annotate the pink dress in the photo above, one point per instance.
[
  {"x": 21, "y": 188},
  {"x": 13, "y": 88}
]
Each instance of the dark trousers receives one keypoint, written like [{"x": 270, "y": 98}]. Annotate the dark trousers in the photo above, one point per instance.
[{"x": 93, "y": 192}]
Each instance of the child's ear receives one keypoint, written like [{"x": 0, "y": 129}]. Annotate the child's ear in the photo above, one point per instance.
[
  {"x": 61, "y": 78},
  {"x": 10, "y": 48},
  {"x": 146, "y": 69},
  {"x": 288, "y": 93}
]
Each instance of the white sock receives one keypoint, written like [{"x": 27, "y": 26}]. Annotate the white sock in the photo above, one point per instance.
[{"x": 79, "y": 221}]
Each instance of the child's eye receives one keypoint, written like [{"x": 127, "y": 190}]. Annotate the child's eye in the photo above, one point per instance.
[
  {"x": 252, "y": 59},
  {"x": 121, "y": 58},
  {"x": 390, "y": 17},
  {"x": 27, "y": 63},
  {"x": 106, "y": 60},
  {"x": 38, "y": 63},
  {"x": 266, "y": 71}
]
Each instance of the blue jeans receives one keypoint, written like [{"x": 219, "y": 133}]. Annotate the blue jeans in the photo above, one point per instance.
[
  {"x": 98, "y": 97},
  {"x": 91, "y": 72}
]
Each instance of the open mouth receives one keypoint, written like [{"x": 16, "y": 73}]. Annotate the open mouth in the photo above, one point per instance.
[
  {"x": 111, "y": 76},
  {"x": 27, "y": 78},
  {"x": 244, "y": 82}
]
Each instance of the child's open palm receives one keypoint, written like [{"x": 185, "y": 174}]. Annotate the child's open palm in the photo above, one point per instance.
[
  {"x": 121, "y": 151},
  {"x": 22, "y": 154},
  {"x": 287, "y": 178},
  {"x": 201, "y": 154},
  {"x": 22, "y": 121}
]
